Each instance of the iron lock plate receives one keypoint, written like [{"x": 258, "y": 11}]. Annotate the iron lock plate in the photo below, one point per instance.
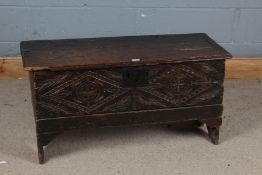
[{"x": 135, "y": 77}]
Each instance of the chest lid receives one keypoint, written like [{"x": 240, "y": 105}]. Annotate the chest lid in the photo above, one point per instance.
[{"x": 119, "y": 51}]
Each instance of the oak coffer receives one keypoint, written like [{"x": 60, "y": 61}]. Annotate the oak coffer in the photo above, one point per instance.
[{"x": 120, "y": 81}]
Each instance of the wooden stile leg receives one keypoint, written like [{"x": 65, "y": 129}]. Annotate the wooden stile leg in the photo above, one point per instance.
[
  {"x": 212, "y": 124},
  {"x": 43, "y": 140},
  {"x": 41, "y": 156},
  {"x": 213, "y": 134},
  {"x": 213, "y": 129}
]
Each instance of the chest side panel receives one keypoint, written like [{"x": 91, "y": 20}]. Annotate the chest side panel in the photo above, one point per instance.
[{"x": 83, "y": 92}]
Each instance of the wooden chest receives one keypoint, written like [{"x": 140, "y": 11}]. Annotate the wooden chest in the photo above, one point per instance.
[{"x": 119, "y": 81}]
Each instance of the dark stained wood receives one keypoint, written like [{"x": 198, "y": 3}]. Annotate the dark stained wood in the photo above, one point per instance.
[
  {"x": 136, "y": 118},
  {"x": 119, "y": 51},
  {"x": 88, "y": 83},
  {"x": 83, "y": 92},
  {"x": 41, "y": 154},
  {"x": 213, "y": 125},
  {"x": 42, "y": 140}
]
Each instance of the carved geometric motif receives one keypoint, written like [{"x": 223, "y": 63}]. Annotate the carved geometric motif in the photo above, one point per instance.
[{"x": 83, "y": 92}]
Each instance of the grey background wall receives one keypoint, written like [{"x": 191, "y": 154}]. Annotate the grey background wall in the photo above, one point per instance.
[{"x": 235, "y": 24}]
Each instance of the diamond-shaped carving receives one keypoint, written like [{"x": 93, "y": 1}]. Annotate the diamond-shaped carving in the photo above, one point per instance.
[{"x": 67, "y": 93}]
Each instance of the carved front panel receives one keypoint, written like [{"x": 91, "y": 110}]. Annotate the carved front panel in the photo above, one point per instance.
[{"x": 83, "y": 92}]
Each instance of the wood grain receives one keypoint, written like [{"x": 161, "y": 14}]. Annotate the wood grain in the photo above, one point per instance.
[
  {"x": 84, "y": 92},
  {"x": 130, "y": 118},
  {"x": 11, "y": 68},
  {"x": 244, "y": 68},
  {"x": 119, "y": 51},
  {"x": 89, "y": 83},
  {"x": 236, "y": 68}
]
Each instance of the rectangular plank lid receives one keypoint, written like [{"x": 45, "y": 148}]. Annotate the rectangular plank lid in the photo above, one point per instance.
[{"x": 119, "y": 51}]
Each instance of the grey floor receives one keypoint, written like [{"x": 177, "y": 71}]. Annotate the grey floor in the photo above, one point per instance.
[{"x": 148, "y": 150}]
